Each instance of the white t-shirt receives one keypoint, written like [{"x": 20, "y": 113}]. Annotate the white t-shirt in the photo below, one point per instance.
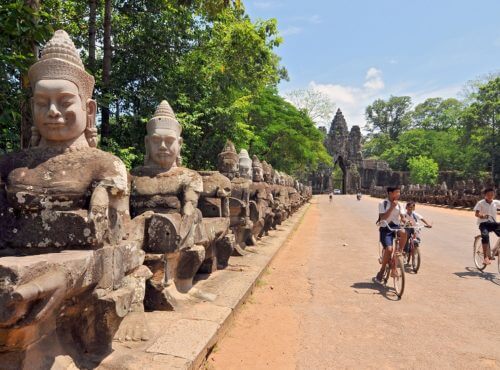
[
  {"x": 489, "y": 209},
  {"x": 414, "y": 218},
  {"x": 396, "y": 212}
]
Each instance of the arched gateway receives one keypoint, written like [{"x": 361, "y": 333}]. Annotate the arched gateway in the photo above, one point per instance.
[{"x": 356, "y": 173}]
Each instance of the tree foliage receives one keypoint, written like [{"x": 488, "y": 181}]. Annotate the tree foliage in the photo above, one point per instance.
[
  {"x": 315, "y": 104},
  {"x": 206, "y": 57},
  {"x": 423, "y": 170},
  {"x": 389, "y": 117},
  {"x": 284, "y": 135},
  {"x": 458, "y": 135}
]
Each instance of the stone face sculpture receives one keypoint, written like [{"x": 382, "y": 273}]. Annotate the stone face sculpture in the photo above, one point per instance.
[
  {"x": 239, "y": 202},
  {"x": 274, "y": 216},
  {"x": 63, "y": 195},
  {"x": 260, "y": 194},
  {"x": 245, "y": 164},
  {"x": 164, "y": 198}
]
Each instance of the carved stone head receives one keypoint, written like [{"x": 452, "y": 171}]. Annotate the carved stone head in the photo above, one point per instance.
[
  {"x": 258, "y": 172},
  {"x": 63, "y": 109},
  {"x": 228, "y": 161},
  {"x": 163, "y": 140},
  {"x": 245, "y": 164},
  {"x": 268, "y": 172}
]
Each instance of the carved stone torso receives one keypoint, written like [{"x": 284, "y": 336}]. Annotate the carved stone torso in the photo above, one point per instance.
[
  {"x": 259, "y": 191},
  {"x": 162, "y": 191},
  {"x": 36, "y": 177},
  {"x": 48, "y": 193},
  {"x": 241, "y": 188}
]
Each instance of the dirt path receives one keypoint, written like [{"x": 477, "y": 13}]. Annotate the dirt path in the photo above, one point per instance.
[{"x": 317, "y": 308}]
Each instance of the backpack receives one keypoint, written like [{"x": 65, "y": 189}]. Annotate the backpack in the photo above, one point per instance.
[{"x": 386, "y": 202}]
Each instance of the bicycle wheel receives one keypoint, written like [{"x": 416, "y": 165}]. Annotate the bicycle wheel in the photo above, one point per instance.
[
  {"x": 399, "y": 280},
  {"x": 479, "y": 254},
  {"x": 416, "y": 259}
]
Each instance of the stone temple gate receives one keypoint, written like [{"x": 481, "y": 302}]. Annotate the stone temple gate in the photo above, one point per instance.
[{"x": 358, "y": 174}]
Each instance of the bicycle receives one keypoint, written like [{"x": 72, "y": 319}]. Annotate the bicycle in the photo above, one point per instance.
[
  {"x": 479, "y": 253},
  {"x": 412, "y": 251},
  {"x": 395, "y": 265}
]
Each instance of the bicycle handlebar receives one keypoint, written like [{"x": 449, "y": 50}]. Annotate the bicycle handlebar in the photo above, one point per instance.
[
  {"x": 384, "y": 223},
  {"x": 490, "y": 218}
]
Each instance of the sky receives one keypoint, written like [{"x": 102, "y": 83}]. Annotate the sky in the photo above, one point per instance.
[{"x": 356, "y": 51}]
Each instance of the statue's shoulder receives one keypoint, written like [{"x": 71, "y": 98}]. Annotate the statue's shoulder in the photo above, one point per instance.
[
  {"x": 22, "y": 158},
  {"x": 142, "y": 171},
  {"x": 189, "y": 175},
  {"x": 106, "y": 158}
]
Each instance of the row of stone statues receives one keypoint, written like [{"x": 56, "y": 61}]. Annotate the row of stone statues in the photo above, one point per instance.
[
  {"x": 83, "y": 243},
  {"x": 462, "y": 194}
]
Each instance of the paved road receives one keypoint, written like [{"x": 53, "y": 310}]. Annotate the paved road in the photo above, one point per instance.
[{"x": 318, "y": 308}]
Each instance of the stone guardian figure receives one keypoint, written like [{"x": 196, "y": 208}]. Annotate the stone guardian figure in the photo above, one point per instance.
[
  {"x": 67, "y": 276},
  {"x": 164, "y": 199}
]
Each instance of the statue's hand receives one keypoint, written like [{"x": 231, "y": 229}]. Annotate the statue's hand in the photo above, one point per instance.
[
  {"x": 33, "y": 301},
  {"x": 98, "y": 210}
]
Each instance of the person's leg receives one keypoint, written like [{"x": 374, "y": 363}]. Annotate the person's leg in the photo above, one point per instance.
[
  {"x": 403, "y": 238},
  {"x": 386, "y": 239},
  {"x": 485, "y": 240}
]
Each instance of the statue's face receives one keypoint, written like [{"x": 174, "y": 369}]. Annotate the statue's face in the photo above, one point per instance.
[
  {"x": 163, "y": 148},
  {"x": 268, "y": 176},
  {"x": 245, "y": 171},
  {"x": 229, "y": 167},
  {"x": 58, "y": 112},
  {"x": 258, "y": 174}
]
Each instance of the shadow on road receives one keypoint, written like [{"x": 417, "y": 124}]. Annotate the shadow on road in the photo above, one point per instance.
[
  {"x": 375, "y": 289},
  {"x": 474, "y": 273}
]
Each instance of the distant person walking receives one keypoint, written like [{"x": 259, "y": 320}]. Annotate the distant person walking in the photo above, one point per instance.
[{"x": 330, "y": 196}]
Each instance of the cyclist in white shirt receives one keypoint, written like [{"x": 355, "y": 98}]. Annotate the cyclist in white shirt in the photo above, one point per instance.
[
  {"x": 486, "y": 213},
  {"x": 390, "y": 213},
  {"x": 414, "y": 219}
]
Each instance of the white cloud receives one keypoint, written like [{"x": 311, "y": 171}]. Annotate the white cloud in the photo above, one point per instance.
[
  {"x": 451, "y": 91},
  {"x": 313, "y": 19},
  {"x": 352, "y": 100},
  {"x": 264, "y": 4},
  {"x": 393, "y": 61},
  {"x": 374, "y": 79},
  {"x": 291, "y": 31}
]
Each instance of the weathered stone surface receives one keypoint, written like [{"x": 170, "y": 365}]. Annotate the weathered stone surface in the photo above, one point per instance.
[
  {"x": 63, "y": 195},
  {"x": 185, "y": 339}
]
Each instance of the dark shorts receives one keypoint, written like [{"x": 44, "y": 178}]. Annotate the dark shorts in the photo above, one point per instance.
[
  {"x": 387, "y": 236},
  {"x": 486, "y": 228}
]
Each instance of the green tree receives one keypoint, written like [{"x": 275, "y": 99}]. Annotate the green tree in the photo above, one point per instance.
[
  {"x": 481, "y": 119},
  {"x": 444, "y": 147},
  {"x": 314, "y": 103},
  {"x": 389, "y": 117},
  {"x": 283, "y": 135},
  {"x": 24, "y": 28},
  {"x": 423, "y": 170},
  {"x": 437, "y": 114}
]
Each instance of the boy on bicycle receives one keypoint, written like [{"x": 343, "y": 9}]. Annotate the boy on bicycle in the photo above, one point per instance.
[
  {"x": 413, "y": 219},
  {"x": 486, "y": 213},
  {"x": 391, "y": 214}
]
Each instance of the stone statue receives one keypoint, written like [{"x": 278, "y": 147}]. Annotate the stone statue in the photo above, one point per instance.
[
  {"x": 275, "y": 216},
  {"x": 214, "y": 204},
  {"x": 239, "y": 202},
  {"x": 67, "y": 276},
  {"x": 245, "y": 165},
  {"x": 164, "y": 199},
  {"x": 259, "y": 194}
]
